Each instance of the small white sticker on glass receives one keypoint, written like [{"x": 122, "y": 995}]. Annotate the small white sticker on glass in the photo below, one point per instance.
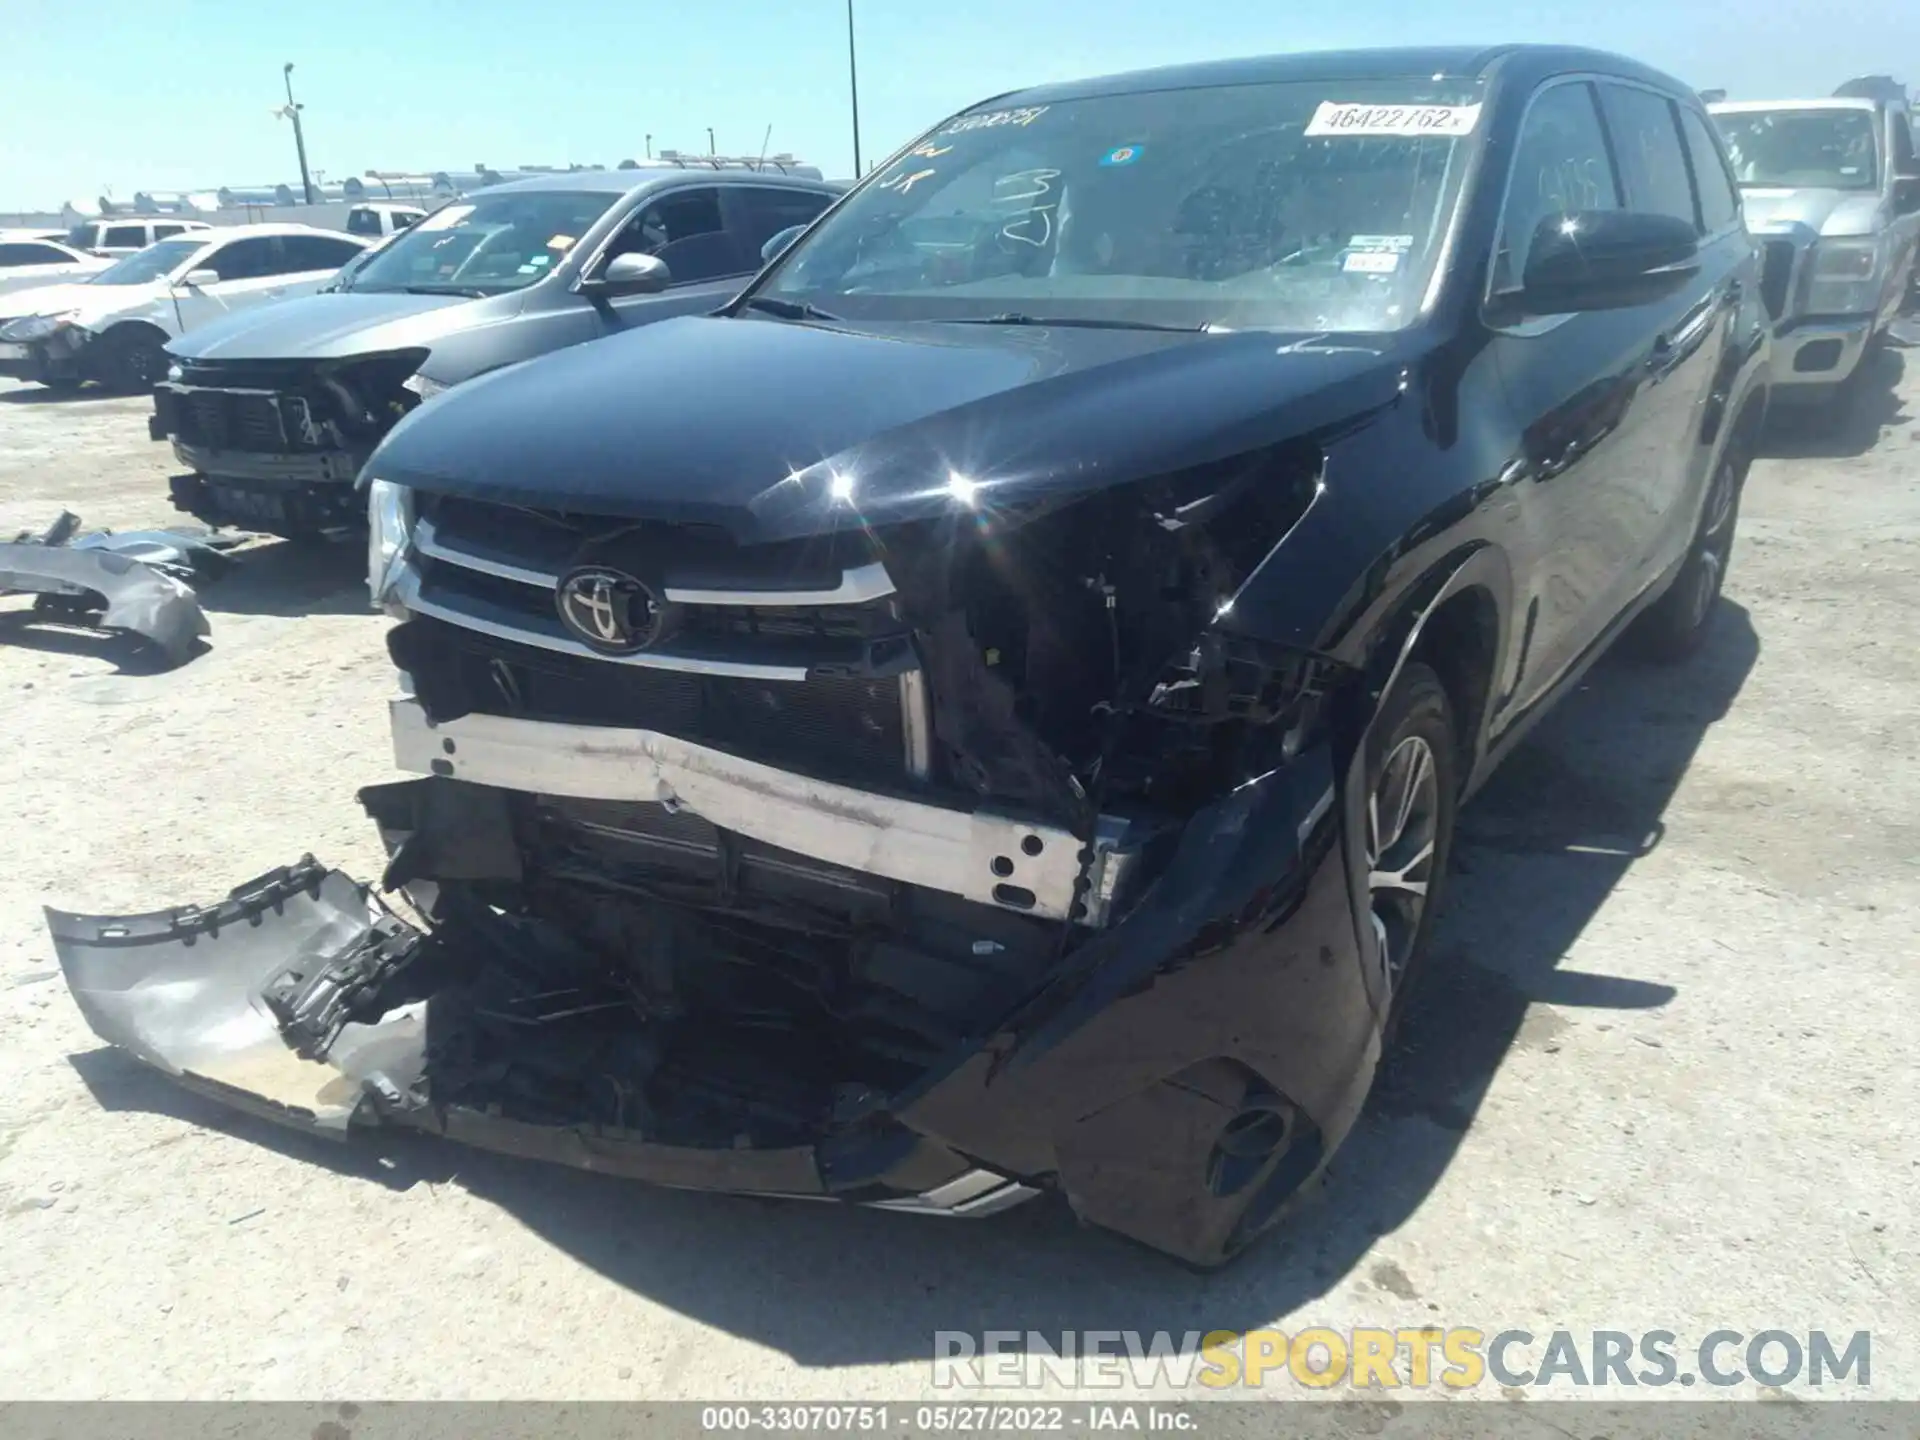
[
  {"x": 445, "y": 218},
  {"x": 1380, "y": 242},
  {"x": 1445, "y": 121},
  {"x": 1372, "y": 262}
]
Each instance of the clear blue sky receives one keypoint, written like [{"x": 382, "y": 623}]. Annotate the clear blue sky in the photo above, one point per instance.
[{"x": 175, "y": 94}]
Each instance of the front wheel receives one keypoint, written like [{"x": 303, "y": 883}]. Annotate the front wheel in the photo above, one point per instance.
[
  {"x": 133, "y": 359},
  {"x": 1678, "y": 621},
  {"x": 1411, "y": 797}
]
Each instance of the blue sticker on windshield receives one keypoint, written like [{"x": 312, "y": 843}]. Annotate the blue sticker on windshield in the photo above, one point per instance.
[{"x": 1125, "y": 155}]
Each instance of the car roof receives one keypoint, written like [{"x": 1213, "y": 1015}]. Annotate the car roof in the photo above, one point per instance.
[
  {"x": 1830, "y": 102},
  {"x": 221, "y": 232},
  {"x": 1455, "y": 61},
  {"x": 623, "y": 182}
]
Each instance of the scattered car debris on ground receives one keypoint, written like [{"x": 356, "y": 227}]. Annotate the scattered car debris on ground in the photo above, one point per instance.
[{"x": 141, "y": 582}]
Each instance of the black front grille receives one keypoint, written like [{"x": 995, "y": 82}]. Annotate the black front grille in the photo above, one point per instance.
[
  {"x": 224, "y": 420},
  {"x": 1776, "y": 275},
  {"x": 849, "y": 726}
]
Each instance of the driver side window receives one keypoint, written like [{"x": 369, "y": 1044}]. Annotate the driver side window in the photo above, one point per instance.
[
  {"x": 685, "y": 231},
  {"x": 243, "y": 259},
  {"x": 1560, "y": 165}
]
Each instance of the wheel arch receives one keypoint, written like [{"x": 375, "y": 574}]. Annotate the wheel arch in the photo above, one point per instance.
[
  {"x": 131, "y": 327},
  {"x": 1455, "y": 618}
]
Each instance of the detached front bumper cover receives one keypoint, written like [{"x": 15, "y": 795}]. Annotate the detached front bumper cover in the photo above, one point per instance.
[
  {"x": 135, "y": 582},
  {"x": 246, "y": 1001}
]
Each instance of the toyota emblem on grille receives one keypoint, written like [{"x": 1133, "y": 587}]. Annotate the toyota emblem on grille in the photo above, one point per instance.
[{"x": 608, "y": 609}]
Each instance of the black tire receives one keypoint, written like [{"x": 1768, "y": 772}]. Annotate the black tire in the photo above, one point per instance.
[
  {"x": 1414, "y": 732},
  {"x": 1677, "y": 623},
  {"x": 133, "y": 359}
]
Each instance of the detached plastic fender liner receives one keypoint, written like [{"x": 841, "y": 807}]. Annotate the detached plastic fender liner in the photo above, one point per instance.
[{"x": 137, "y": 597}]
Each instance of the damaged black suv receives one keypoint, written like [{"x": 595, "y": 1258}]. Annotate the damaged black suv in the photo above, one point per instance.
[{"x": 985, "y": 712}]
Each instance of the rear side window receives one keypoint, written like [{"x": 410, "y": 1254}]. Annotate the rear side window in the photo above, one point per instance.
[
  {"x": 316, "y": 252},
  {"x": 31, "y": 255},
  {"x": 1560, "y": 167},
  {"x": 120, "y": 236},
  {"x": 1647, "y": 140},
  {"x": 363, "y": 222},
  {"x": 765, "y": 213},
  {"x": 163, "y": 232},
  {"x": 1719, "y": 201}
]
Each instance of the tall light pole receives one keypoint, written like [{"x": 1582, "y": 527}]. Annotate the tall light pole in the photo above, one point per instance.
[
  {"x": 292, "y": 112},
  {"x": 853, "y": 87}
]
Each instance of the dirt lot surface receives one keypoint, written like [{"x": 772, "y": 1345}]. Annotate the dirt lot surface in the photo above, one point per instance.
[{"x": 1666, "y": 1079}]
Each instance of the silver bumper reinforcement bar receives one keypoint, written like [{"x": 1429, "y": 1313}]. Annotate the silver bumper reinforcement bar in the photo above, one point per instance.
[{"x": 997, "y": 860}]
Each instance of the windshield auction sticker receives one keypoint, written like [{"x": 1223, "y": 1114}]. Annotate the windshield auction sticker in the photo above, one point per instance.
[{"x": 1446, "y": 121}]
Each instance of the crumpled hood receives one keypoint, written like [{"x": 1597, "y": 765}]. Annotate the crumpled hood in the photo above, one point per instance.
[
  {"x": 776, "y": 430},
  {"x": 323, "y": 327},
  {"x": 1827, "y": 212},
  {"x": 89, "y": 300}
]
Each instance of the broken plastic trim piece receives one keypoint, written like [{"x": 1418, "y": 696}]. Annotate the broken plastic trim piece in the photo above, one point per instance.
[
  {"x": 182, "y": 989},
  {"x": 996, "y": 860},
  {"x": 110, "y": 591}
]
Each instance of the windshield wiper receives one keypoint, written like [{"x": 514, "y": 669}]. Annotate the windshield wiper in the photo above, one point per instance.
[
  {"x": 786, "y": 309},
  {"x": 1014, "y": 317},
  {"x": 467, "y": 290}
]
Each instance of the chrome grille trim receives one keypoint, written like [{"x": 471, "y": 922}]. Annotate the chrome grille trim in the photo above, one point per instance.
[
  {"x": 856, "y": 587},
  {"x": 474, "y": 616},
  {"x": 428, "y": 542}
]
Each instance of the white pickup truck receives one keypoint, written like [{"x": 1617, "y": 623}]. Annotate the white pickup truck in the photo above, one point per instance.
[{"x": 114, "y": 328}]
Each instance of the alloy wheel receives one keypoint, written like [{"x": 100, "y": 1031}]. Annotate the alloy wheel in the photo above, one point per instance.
[{"x": 1403, "y": 816}]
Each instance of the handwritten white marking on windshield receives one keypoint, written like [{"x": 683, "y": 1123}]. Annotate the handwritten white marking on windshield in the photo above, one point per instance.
[{"x": 1023, "y": 116}]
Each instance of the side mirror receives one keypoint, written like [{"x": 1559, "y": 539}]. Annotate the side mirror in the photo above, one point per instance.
[
  {"x": 1606, "y": 260},
  {"x": 776, "y": 245},
  {"x": 631, "y": 274},
  {"x": 1906, "y": 193},
  {"x": 200, "y": 279}
]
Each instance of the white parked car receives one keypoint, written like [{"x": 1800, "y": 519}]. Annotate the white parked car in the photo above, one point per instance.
[
  {"x": 27, "y": 260},
  {"x": 113, "y": 328},
  {"x": 378, "y": 219},
  {"x": 123, "y": 237}
]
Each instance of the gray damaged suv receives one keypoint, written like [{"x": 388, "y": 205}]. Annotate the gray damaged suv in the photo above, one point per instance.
[
  {"x": 273, "y": 411},
  {"x": 1831, "y": 190}
]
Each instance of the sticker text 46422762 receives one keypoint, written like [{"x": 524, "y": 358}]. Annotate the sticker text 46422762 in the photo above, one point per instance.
[{"x": 1402, "y": 121}]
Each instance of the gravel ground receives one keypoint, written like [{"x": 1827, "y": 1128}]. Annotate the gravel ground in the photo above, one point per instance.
[{"x": 1664, "y": 1079}]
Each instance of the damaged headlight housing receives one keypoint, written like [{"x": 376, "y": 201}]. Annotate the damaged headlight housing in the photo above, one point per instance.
[
  {"x": 1845, "y": 278},
  {"x": 389, "y": 531},
  {"x": 423, "y": 386},
  {"x": 35, "y": 327}
]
